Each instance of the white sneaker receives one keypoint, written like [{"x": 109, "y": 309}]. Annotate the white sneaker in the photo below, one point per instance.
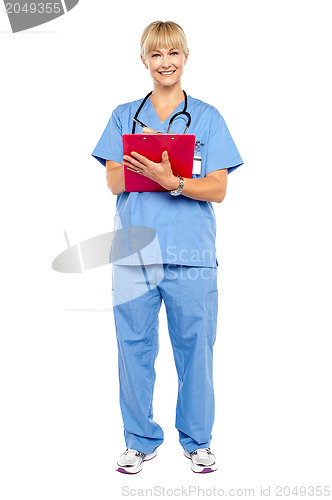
[
  {"x": 202, "y": 460},
  {"x": 131, "y": 461}
]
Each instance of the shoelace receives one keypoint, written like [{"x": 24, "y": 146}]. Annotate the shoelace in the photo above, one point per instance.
[
  {"x": 134, "y": 453},
  {"x": 202, "y": 452}
]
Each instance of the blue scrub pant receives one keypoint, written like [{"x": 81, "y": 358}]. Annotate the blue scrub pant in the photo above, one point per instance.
[{"x": 190, "y": 295}]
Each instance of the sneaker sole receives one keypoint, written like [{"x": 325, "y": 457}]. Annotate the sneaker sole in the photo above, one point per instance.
[
  {"x": 206, "y": 469},
  {"x": 128, "y": 471},
  {"x": 124, "y": 471}
]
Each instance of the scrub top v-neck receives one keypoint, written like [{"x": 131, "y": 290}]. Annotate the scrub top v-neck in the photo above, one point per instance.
[
  {"x": 152, "y": 116},
  {"x": 185, "y": 227}
]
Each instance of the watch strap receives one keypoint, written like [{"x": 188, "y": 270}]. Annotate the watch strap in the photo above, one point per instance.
[{"x": 179, "y": 189}]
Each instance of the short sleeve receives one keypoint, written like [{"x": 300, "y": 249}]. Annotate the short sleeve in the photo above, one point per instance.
[
  {"x": 221, "y": 149},
  {"x": 109, "y": 146}
]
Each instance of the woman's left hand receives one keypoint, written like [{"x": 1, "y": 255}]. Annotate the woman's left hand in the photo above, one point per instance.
[{"x": 158, "y": 172}]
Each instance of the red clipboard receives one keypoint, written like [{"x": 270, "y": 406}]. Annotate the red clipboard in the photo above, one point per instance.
[{"x": 180, "y": 149}]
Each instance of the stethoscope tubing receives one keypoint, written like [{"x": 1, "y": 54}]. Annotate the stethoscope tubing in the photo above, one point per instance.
[{"x": 183, "y": 112}]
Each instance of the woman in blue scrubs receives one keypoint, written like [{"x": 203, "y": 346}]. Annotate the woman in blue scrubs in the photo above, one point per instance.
[{"x": 177, "y": 265}]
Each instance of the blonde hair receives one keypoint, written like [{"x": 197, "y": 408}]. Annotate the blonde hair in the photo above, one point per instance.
[{"x": 163, "y": 35}]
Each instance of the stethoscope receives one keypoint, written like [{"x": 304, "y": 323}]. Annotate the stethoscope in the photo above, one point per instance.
[{"x": 183, "y": 112}]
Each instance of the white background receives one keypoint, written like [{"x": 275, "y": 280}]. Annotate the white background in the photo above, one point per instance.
[{"x": 266, "y": 66}]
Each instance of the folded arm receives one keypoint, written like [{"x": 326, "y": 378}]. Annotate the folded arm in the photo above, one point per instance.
[
  {"x": 212, "y": 187},
  {"x": 115, "y": 177}
]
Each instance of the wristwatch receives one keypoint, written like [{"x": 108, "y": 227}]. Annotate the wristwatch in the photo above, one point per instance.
[{"x": 179, "y": 189}]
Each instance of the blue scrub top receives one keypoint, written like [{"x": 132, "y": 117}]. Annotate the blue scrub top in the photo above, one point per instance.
[{"x": 185, "y": 228}]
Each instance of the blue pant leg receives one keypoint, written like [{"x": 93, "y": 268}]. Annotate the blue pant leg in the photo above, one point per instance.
[
  {"x": 136, "y": 305},
  {"x": 191, "y": 299}
]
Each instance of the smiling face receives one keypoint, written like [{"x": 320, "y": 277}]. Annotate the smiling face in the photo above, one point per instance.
[{"x": 165, "y": 65}]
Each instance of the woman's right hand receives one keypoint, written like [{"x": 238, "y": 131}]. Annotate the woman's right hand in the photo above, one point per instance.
[{"x": 147, "y": 130}]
